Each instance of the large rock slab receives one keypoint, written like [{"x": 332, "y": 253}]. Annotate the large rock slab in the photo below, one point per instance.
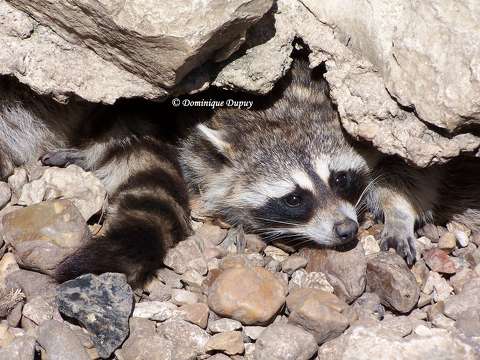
[
  {"x": 150, "y": 42},
  {"x": 251, "y": 296},
  {"x": 102, "y": 304}
]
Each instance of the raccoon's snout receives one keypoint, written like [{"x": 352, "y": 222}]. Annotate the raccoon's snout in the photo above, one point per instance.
[{"x": 346, "y": 229}]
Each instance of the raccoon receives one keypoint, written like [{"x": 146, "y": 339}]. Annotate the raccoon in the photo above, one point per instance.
[
  {"x": 288, "y": 171},
  {"x": 148, "y": 201}
]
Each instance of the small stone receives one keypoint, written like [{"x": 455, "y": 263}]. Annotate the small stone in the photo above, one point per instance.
[
  {"x": 194, "y": 313},
  {"x": 389, "y": 277},
  {"x": 157, "y": 290},
  {"x": 253, "y": 332},
  {"x": 284, "y": 342},
  {"x": 468, "y": 322},
  {"x": 40, "y": 309},
  {"x": 473, "y": 258},
  {"x": 102, "y": 304},
  {"x": 5, "y": 194},
  {"x": 476, "y": 237},
  {"x": 430, "y": 231},
  {"x": 183, "y": 297},
  {"x": 169, "y": 277},
  {"x": 186, "y": 256},
  {"x": 461, "y": 278},
  {"x": 192, "y": 278},
  {"x": 17, "y": 180},
  {"x": 58, "y": 340},
  {"x": 21, "y": 348},
  {"x": 222, "y": 325},
  {"x": 437, "y": 286},
  {"x": 209, "y": 235},
  {"x": 144, "y": 343},
  {"x": 422, "y": 244},
  {"x": 8, "y": 265},
  {"x": 255, "y": 243},
  {"x": 313, "y": 280},
  {"x": 318, "y": 312},
  {"x": 424, "y": 299},
  {"x": 72, "y": 183},
  {"x": 447, "y": 242},
  {"x": 468, "y": 299},
  {"x": 293, "y": 263},
  {"x": 154, "y": 310},
  {"x": 188, "y": 340},
  {"x": 42, "y": 235},
  {"x": 249, "y": 295},
  {"x": 229, "y": 342},
  {"x": 32, "y": 283},
  {"x": 420, "y": 271},
  {"x": 273, "y": 266},
  {"x": 368, "y": 306},
  {"x": 345, "y": 270},
  {"x": 370, "y": 245},
  {"x": 15, "y": 315},
  {"x": 275, "y": 253},
  {"x": 438, "y": 260},
  {"x": 6, "y": 337}
]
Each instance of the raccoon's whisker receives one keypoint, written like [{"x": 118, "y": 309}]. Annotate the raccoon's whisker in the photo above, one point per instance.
[
  {"x": 369, "y": 185},
  {"x": 277, "y": 221}
]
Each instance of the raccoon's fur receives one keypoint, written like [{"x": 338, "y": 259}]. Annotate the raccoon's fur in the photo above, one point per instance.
[
  {"x": 248, "y": 165},
  {"x": 148, "y": 202}
]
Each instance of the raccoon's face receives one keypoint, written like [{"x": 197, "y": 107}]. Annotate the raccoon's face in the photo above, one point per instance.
[{"x": 285, "y": 191}]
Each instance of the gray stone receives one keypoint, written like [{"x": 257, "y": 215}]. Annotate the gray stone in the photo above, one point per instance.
[
  {"x": 21, "y": 348},
  {"x": 186, "y": 255},
  {"x": 389, "y": 277},
  {"x": 368, "y": 306},
  {"x": 188, "y": 340},
  {"x": 102, "y": 304},
  {"x": 32, "y": 283},
  {"x": 377, "y": 342},
  {"x": 155, "y": 310},
  {"x": 5, "y": 194},
  {"x": 40, "y": 309},
  {"x": 59, "y": 342},
  {"x": 468, "y": 299},
  {"x": 284, "y": 342},
  {"x": 143, "y": 343},
  {"x": 292, "y": 263},
  {"x": 222, "y": 325},
  {"x": 229, "y": 342}
]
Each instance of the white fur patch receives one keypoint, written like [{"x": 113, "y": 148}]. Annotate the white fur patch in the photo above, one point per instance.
[
  {"x": 321, "y": 166},
  {"x": 214, "y": 136},
  {"x": 303, "y": 180}
]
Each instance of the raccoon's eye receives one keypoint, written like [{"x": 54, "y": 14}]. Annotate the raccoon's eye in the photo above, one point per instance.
[
  {"x": 341, "y": 180},
  {"x": 293, "y": 200}
]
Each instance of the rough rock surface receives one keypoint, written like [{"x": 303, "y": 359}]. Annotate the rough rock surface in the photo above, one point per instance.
[
  {"x": 251, "y": 296},
  {"x": 125, "y": 45},
  {"x": 102, "y": 304},
  {"x": 389, "y": 277},
  {"x": 58, "y": 340},
  {"x": 284, "y": 342},
  {"x": 364, "y": 343},
  {"x": 42, "y": 235}
]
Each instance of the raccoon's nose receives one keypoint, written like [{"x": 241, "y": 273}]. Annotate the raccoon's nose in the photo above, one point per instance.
[{"x": 347, "y": 229}]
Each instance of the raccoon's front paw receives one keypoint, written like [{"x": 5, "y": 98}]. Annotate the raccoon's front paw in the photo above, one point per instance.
[
  {"x": 402, "y": 242},
  {"x": 62, "y": 157}
]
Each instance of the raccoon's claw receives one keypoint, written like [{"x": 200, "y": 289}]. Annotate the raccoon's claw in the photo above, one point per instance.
[
  {"x": 61, "y": 157},
  {"x": 403, "y": 245}
]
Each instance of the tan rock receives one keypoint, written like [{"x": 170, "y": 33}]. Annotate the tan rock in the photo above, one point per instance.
[
  {"x": 42, "y": 235},
  {"x": 447, "y": 241},
  {"x": 318, "y": 312},
  {"x": 229, "y": 342},
  {"x": 439, "y": 261},
  {"x": 195, "y": 313},
  {"x": 249, "y": 295}
]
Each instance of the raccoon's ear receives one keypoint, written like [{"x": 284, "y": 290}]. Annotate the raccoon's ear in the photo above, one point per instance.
[{"x": 215, "y": 137}]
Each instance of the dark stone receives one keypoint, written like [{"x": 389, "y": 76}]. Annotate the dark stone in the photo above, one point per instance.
[{"x": 102, "y": 304}]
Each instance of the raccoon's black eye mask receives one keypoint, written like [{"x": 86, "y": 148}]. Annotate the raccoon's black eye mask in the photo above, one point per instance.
[
  {"x": 347, "y": 184},
  {"x": 296, "y": 207}
]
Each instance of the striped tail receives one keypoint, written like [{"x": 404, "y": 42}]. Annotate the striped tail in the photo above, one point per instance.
[{"x": 148, "y": 213}]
